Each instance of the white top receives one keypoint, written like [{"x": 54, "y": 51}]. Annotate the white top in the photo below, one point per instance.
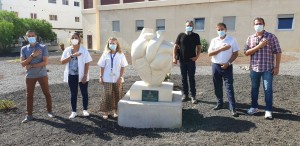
[
  {"x": 223, "y": 56},
  {"x": 112, "y": 72},
  {"x": 84, "y": 58}
]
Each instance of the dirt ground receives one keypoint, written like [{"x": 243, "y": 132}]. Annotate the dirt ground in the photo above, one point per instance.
[{"x": 200, "y": 125}]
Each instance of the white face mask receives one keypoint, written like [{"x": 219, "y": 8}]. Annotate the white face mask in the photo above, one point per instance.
[
  {"x": 74, "y": 41},
  {"x": 258, "y": 28},
  {"x": 221, "y": 33}
]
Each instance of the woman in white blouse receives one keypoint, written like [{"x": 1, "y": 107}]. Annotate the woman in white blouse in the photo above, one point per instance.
[
  {"x": 76, "y": 72},
  {"x": 112, "y": 66}
]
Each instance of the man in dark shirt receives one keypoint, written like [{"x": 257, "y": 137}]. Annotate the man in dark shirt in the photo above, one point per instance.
[{"x": 185, "y": 51}]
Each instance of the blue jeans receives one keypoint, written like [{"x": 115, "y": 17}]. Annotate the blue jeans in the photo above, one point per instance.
[
  {"x": 188, "y": 69},
  {"x": 73, "y": 84},
  {"x": 218, "y": 75},
  {"x": 267, "y": 77}
]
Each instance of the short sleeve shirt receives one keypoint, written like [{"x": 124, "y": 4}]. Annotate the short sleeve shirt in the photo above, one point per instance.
[
  {"x": 263, "y": 60},
  {"x": 223, "y": 56},
  {"x": 187, "y": 44},
  {"x": 25, "y": 53},
  {"x": 112, "y": 66}
]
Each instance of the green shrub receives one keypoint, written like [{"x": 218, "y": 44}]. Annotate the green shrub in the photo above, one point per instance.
[
  {"x": 204, "y": 45},
  {"x": 7, "y": 105}
]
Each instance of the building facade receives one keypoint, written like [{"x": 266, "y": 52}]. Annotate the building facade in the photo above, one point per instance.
[
  {"x": 64, "y": 15},
  {"x": 125, "y": 19}
]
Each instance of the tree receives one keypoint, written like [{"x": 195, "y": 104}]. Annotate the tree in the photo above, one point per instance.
[
  {"x": 41, "y": 27},
  {"x": 19, "y": 29},
  {"x": 6, "y": 37}
]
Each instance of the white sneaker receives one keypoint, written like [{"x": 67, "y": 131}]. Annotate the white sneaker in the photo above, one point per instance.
[
  {"x": 73, "y": 115},
  {"x": 85, "y": 113},
  {"x": 252, "y": 111},
  {"x": 50, "y": 114},
  {"x": 268, "y": 115}
]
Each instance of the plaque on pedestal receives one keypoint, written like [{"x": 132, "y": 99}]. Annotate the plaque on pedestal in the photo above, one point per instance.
[{"x": 150, "y": 95}]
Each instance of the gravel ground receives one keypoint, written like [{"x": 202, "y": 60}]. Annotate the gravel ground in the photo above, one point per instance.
[{"x": 201, "y": 125}]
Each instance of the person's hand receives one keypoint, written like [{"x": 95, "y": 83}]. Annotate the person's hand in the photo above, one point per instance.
[
  {"x": 225, "y": 47},
  {"x": 36, "y": 53},
  {"x": 119, "y": 81},
  {"x": 28, "y": 66},
  {"x": 76, "y": 54},
  {"x": 101, "y": 80},
  {"x": 174, "y": 61},
  {"x": 275, "y": 71},
  {"x": 263, "y": 43},
  {"x": 83, "y": 81},
  {"x": 224, "y": 66},
  {"x": 194, "y": 59}
]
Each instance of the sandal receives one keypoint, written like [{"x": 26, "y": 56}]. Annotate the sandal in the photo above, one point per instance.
[{"x": 115, "y": 115}]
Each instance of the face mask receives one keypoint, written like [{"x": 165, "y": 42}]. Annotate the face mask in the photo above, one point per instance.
[
  {"x": 74, "y": 41},
  {"x": 258, "y": 28},
  {"x": 113, "y": 47},
  {"x": 31, "y": 40},
  {"x": 188, "y": 28},
  {"x": 221, "y": 33}
]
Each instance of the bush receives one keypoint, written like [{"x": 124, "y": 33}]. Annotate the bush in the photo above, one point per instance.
[
  {"x": 204, "y": 45},
  {"x": 7, "y": 105}
]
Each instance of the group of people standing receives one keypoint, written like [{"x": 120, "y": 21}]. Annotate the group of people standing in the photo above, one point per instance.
[
  {"x": 262, "y": 46},
  {"x": 34, "y": 57}
]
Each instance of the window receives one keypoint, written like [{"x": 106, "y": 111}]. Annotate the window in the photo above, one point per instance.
[
  {"x": 230, "y": 22},
  {"x": 65, "y": 2},
  {"x": 88, "y": 4},
  {"x": 76, "y": 4},
  {"x": 160, "y": 24},
  {"x": 285, "y": 21},
  {"x": 116, "y": 26},
  {"x": 52, "y": 1},
  {"x": 33, "y": 15},
  {"x": 199, "y": 24},
  {"x": 139, "y": 25},
  {"x": 53, "y": 17},
  {"x": 76, "y": 19}
]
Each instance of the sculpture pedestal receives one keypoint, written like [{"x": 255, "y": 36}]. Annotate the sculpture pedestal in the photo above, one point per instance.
[{"x": 144, "y": 114}]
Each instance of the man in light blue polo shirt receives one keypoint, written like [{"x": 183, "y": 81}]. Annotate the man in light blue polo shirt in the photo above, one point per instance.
[
  {"x": 223, "y": 50},
  {"x": 34, "y": 57}
]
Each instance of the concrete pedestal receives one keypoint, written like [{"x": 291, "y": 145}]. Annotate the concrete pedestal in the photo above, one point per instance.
[
  {"x": 164, "y": 91},
  {"x": 144, "y": 114}
]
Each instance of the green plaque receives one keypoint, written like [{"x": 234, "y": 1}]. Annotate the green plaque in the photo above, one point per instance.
[{"x": 150, "y": 95}]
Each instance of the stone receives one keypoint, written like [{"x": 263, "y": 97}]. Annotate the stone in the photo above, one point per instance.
[
  {"x": 144, "y": 114},
  {"x": 164, "y": 91}
]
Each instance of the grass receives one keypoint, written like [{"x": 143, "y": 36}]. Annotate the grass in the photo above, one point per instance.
[{"x": 7, "y": 105}]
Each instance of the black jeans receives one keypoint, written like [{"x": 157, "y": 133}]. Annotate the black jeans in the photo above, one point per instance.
[
  {"x": 188, "y": 69},
  {"x": 73, "y": 84},
  {"x": 218, "y": 75}
]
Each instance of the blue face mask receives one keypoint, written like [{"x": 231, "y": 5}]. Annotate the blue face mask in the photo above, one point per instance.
[
  {"x": 112, "y": 47},
  {"x": 188, "y": 28},
  {"x": 31, "y": 40},
  {"x": 221, "y": 33}
]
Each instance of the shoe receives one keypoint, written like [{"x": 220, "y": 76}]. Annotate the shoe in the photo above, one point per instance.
[
  {"x": 218, "y": 107},
  {"x": 115, "y": 115},
  {"x": 184, "y": 98},
  {"x": 27, "y": 119},
  {"x": 234, "y": 113},
  {"x": 73, "y": 115},
  {"x": 268, "y": 115},
  {"x": 50, "y": 114},
  {"x": 85, "y": 113},
  {"x": 105, "y": 117},
  {"x": 252, "y": 111},
  {"x": 193, "y": 100}
]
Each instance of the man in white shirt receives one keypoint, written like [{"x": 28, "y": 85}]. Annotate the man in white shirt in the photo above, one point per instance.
[{"x": 223, "y": 50}]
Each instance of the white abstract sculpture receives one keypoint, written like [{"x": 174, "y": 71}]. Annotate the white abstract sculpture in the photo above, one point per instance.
[{"x": 151, "y": 56}]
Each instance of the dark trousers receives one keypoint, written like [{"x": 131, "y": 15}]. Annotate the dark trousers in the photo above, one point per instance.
[
  {"x": 188, "y": 70},
  {"x": 218, "y": 75},
  {"x": 73, "y": 84},
  {"x": 30, "y": 86}
]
